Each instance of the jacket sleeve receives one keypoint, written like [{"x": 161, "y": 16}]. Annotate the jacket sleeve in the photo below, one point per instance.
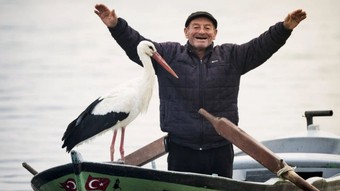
[
  {"x": 127, "y": 38},
  {"x": 255, "y": 52}
]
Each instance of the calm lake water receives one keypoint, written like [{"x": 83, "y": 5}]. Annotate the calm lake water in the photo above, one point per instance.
[{"x": 56, "y": 57}]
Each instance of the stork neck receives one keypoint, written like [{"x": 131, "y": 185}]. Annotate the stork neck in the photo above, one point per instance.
[{"x": 148, "y": 81}]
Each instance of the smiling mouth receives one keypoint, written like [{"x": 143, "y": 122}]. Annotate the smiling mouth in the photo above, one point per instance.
[{"x": 201, "y": 38}]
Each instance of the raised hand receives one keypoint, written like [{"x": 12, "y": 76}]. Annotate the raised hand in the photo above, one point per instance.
[
  {"x": 108, "y": 17},
  {"x": 293, "y": 19}
]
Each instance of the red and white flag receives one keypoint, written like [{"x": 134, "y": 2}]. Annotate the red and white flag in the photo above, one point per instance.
[
  {"x": 69, "y": 185},
  {"x": 94, "y": 183}
]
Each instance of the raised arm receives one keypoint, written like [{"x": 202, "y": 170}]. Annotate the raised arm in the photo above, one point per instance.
[
  {"x": 294, "y": 18},
  {"x": 108, "y": 17},
  {"x": 126, "y": 37}
]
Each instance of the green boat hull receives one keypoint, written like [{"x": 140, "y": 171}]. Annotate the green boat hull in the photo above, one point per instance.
[{"x": 108, "y": 176}]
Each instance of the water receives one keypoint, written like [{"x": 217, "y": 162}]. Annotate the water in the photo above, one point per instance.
[{"x": 57, "y": 56}]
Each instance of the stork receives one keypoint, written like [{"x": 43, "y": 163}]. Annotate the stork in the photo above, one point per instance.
[{"x": 119, "y": 107}]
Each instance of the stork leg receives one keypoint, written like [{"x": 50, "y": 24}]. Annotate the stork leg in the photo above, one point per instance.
[
  {"x": 121, "y": 147},
  {"x": 112, "y": 147}
]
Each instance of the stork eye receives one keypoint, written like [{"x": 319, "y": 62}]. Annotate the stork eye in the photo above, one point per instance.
[{"x": 151, "y": 48}]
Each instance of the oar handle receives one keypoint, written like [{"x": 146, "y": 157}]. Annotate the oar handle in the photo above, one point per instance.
[
  {"x": 29, "y": 168},
  {"x": 255, "y": 149}
]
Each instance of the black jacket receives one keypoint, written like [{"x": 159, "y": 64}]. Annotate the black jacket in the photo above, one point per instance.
[{"x": 211, "y": 83}]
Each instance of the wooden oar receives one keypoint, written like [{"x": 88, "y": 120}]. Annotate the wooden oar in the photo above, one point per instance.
[
  {"x": 147, "y": 153},
  {"x": 256, "y": 150}
]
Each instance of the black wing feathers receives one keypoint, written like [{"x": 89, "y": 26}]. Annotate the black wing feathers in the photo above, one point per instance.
[{"x": 88, "y": 125}]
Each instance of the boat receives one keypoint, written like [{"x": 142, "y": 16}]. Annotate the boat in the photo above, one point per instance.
[{"x": 315, "y": 156}]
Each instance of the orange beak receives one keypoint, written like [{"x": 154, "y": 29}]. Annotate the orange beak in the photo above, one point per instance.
[{"x": 163, "y": 63}]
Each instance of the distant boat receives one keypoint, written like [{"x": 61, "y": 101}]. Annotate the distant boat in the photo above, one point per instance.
[{"x": 315, "y": 154}]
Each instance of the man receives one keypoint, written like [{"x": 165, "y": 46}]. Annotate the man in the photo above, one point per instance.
[{"x": 209, "y": 78}]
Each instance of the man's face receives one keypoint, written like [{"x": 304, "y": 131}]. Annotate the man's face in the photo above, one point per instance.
[{"x": 200, "y": 33}]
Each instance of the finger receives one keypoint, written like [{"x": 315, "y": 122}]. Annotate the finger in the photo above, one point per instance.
[
  {"x": 97, "y": 13},
  {"x": 101, "y": 8},
  {"x": 113, "y": 12},
  {"x": 299, "y": 13},
  {"x": 301, "y": 16},
  {"x": 295, "y": 14},
  {"x": 97, "y": 7}
]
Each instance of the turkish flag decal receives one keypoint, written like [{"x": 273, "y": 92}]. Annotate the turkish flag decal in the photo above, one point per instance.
[
  {"x": 97, "y": 183},
  {"x": 69, "y": 185}
]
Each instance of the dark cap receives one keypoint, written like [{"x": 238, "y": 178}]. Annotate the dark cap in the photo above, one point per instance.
[{"x": 201, "y": 14}]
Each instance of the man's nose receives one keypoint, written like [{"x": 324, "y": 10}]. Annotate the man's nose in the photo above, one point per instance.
[{"x": 201, "y": 30}]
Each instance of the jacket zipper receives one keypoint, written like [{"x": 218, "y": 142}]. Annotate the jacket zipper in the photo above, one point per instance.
[{"x": 201, "y": 98}]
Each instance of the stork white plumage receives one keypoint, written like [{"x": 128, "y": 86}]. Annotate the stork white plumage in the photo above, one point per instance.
[{"x": 119, "y": 107}]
